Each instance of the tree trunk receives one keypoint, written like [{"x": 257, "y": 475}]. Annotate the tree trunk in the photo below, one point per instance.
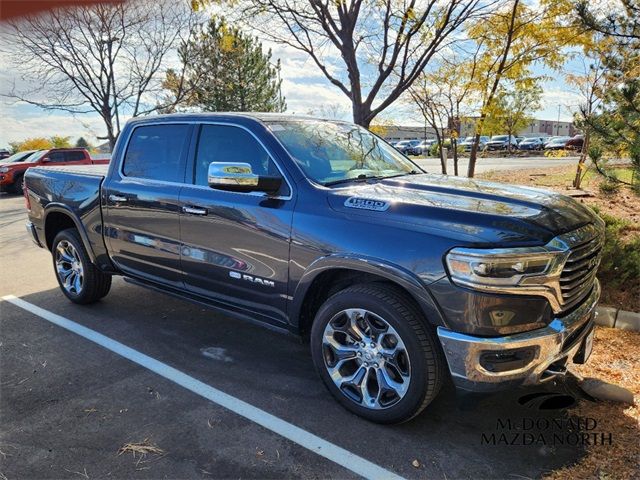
[
  {"x": 361, "y": 114},
  {"x": 443, "y": 160},
  {"x": 577, "y": 181},
  {"x": 454, "y": 145},
  {"x": 474, "y": 148}
]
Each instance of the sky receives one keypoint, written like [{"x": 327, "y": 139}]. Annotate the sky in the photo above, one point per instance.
[{"x": 305, "y": 88}]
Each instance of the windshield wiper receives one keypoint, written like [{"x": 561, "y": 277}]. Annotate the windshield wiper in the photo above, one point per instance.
[
  {"x": 364, "y": 178},
  {"x": 360, "y": 178}
]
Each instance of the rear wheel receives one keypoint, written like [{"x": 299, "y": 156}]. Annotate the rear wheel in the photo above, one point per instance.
[
  {"x": 375, "y": 354},
  {"x": 79, "y": 279}
]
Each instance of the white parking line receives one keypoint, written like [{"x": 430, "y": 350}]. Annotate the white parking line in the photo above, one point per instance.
[{"x": 287, "y": 430}]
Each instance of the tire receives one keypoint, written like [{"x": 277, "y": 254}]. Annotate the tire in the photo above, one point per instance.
[
  {"x": 16, "y": 187},
  {"x": 416, "y": 366},
  {"x": 79, "y": 279}
]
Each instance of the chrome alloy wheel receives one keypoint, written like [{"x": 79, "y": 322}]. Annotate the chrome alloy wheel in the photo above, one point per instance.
[
  {"x": 69, "y": 267},
  {"x": 366, "y": 358}
]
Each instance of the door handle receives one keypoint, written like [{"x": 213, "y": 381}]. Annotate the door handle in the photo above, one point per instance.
[
  {"x": 194, "y": 210},
  {"x": 117, "y": 198}
]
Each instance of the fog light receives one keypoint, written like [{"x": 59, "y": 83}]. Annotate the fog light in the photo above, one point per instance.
[{"x": 505, "y": 360}]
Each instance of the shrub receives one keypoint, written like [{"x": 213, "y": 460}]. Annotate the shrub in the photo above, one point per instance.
[
  {"x": 609, "y": 187},
  {"x": 620, "y": 259}
]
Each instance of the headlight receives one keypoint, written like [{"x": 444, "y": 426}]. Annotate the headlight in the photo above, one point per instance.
[
  {"x": 493, "y": 269},
  {"x": 4, "y": 169}
]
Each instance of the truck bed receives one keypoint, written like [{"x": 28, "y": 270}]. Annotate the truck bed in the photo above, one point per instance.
[
  {"x": 89, "y": 170},
  {"x": 77, "y": 188}
]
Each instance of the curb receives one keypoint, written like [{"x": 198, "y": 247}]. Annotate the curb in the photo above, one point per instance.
[{"x": 615, "y": 318}]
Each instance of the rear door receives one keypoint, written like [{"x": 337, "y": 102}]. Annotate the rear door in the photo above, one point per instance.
[
  {"x": 143, "y": 203},
  {"x": 235, "y": 246}
]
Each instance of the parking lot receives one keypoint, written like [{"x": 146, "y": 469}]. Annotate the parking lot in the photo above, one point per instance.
[{"x": 69, "y": 405}]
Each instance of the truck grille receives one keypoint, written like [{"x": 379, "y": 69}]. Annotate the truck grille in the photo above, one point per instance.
[{"x": 579, "y": 272}]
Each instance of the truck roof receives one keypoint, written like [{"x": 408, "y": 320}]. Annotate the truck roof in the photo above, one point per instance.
[{"x": 259, "y": 116}]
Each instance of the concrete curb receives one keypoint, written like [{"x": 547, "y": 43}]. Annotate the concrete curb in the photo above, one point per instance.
[{"x": 615, "y": 318}]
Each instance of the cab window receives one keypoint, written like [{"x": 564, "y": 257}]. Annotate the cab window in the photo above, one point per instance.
[
  {"x": 157, "y": 152},
  {"x": 225, "y": 143}
]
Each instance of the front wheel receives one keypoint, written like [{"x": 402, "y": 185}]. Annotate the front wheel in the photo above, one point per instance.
[
  {"x": 375, "y": 354},
  {"x": 79, "y": 279}
]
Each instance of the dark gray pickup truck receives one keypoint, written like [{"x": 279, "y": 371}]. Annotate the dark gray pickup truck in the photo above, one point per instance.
[{"x": 399, "y": 279}]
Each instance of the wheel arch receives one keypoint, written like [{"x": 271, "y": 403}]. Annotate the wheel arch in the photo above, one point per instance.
[
  {"x": 333, "y": 273},
  {"x": 59, "y": 217}
]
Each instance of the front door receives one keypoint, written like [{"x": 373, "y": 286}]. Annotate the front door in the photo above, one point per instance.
[
  {"x": 142, "y": 225},
  {"x": 235, "y": 246}
]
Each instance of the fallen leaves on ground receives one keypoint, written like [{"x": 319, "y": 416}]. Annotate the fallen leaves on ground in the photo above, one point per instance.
[{"x": 615, "y": 359}]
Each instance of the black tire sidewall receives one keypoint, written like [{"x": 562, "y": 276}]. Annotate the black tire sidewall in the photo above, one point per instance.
[
  {"x": 413, "y": 400},
  {"x": 16, "y": 187},
  {"x": 71, "y": 236}
]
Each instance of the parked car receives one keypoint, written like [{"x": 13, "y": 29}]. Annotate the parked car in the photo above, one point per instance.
[
  {"x": 531, "y": 143},
  {"x": 18, "y": 157},
  {"x": 4, "y": 154},
  {"x": 501, "y": 142},
  {"x": 550, "y": 139},
  {"x": 422, "y": 148},
  {"x": 398, "y": 278},
  {"x": 467, "y": 143},
  {"x": 407, "y": 146},
  {"x": 11, "y": 174},
  {"x": 576, "y": 142},
  {"x": 557, "y": 143}
]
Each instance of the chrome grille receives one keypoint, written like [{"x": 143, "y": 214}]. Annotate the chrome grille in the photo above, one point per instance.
[{"x": 580, "y": 269}]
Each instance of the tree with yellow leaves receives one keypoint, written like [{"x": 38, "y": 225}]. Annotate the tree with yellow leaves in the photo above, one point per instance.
[{"x": 510, "y": 41}]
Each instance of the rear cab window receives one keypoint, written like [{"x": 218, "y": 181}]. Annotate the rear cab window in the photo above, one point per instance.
[{"x": 157, "y": 152}]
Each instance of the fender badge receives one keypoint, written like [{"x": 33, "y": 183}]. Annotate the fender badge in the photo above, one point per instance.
[{"x": 366, "y": 204}]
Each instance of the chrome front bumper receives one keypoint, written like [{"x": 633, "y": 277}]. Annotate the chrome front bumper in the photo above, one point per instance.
[{"x": 552, "y": 348}]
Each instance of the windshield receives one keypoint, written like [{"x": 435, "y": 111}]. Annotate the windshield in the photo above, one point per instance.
[
  {"x": 34, "y": 157},
  {"x": 18, "y": 157},
  {"x": 333, "y": 152},
  {"x": 500, "y": 138}
]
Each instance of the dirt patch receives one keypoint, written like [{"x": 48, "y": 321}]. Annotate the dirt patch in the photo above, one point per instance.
[{"x": 615, "y": 359}]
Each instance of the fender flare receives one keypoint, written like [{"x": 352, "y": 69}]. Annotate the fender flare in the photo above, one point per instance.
[
  {"x": 61, "y": 208},
  {"x": 389, "y": 271}
]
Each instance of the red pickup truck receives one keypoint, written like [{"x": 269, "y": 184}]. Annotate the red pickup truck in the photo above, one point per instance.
[{"x": 12, "y": 169}]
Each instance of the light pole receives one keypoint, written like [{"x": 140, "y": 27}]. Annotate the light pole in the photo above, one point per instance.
[{"x": 558, "y": 123}]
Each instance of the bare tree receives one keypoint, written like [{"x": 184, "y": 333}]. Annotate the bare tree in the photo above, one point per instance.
[
  {"x": 430, "y": 99},
  {"x": 104, "y": 58},
  {"x": 590, "y": 83},
  {"x": 372, "y": 50}
]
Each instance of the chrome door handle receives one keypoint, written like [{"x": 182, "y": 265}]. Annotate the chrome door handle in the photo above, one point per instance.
[
  {"x": 117, "y": 198},
  {"x": 194, "y": 210}
]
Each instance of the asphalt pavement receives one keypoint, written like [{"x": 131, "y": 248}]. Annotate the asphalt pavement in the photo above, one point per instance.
[{"x": 68, "y": 406}]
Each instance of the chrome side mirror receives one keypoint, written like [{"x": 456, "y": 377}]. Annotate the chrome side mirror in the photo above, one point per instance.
[{"x": 239, "y": 177}]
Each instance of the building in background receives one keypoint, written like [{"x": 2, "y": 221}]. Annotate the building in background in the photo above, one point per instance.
[{"x": 537, "y": 128}]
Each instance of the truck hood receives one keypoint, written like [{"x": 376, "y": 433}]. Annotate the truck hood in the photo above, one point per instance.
[{"x": 472, "y": 211}]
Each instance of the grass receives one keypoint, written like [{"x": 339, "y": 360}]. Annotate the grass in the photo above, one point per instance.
[{"x": 141, "y": 450}]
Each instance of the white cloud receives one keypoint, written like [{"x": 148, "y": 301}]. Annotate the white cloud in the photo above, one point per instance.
[{"x": 18, "y": 122}]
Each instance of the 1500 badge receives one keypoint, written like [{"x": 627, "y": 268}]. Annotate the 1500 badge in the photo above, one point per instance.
[
  {"x": 252, "y": 279},
  {"x": 366, "y": 204}
]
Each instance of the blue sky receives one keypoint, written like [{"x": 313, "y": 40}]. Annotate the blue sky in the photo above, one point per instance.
[{"x": 304, "y": 87}]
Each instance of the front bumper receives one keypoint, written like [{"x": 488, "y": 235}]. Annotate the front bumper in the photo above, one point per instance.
[{"x": 550, "y": 348}]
